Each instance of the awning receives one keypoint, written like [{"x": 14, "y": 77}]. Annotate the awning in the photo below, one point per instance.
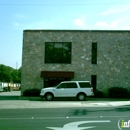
[{"x": 57, "y": 74}]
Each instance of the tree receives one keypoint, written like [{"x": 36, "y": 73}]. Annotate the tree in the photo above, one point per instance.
[{"x": 8, "y": 74}]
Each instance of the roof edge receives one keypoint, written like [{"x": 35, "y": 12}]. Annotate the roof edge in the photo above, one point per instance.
[{"x": 74, "y": 30}]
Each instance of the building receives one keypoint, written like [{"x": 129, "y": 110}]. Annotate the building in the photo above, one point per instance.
[{"x": 52, "y": 56}]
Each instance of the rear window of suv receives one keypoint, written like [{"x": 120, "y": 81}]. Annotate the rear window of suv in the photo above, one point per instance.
[{"x": 85, "y": 85}]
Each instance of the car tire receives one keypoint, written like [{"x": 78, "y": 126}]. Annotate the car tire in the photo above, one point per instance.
[
  {"x": 81, "y": 96},
  {"x": 49, "y": 96}
]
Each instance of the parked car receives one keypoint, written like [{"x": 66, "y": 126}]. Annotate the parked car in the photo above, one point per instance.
[{"x": 79, "y": 89}]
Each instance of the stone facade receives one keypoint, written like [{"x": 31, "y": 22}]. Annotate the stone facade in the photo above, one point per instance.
[{"x": 113, "y": 56}]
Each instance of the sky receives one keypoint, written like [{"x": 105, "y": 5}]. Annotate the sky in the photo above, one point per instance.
[{"x": 19, "y": 15}]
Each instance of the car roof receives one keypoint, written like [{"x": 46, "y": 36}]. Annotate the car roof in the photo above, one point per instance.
[{"x": 74, "y": 81}]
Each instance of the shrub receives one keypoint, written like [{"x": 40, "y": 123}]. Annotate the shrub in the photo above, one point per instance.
[
  {"x": 117, "y": 92},
  {"x": 31, "y": 92},
  {"x": 99, "y": 94}
]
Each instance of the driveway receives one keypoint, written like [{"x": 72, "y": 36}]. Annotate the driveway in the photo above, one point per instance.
[{"x": 11, "y": 93}]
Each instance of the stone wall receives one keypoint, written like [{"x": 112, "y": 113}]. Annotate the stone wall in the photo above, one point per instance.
[{"x": 113, "y": 57}]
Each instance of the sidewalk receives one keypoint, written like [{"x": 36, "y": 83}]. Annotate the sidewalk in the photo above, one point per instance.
[
  {"x": 13, "y": 100},
  {"x": 17, "y": 94},
  {"x": 25, "y": 104}
]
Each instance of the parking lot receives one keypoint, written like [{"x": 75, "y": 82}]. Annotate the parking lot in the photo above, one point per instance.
[{"x": 11, "y": 93}]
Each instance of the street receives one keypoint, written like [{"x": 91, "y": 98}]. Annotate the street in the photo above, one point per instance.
[
  {"x": 97, "y": 118},
  {"x": 35, "y": 114}
]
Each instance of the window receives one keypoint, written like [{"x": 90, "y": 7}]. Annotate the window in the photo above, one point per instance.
[
  {"x": 61, "y": 86},
  {"x": 67, "y": 85},
  {"x": 94, "y": 81},
  {"x": 94, "y": 53},
  {"x": 58, "y": 52},
  {"x": 84, "y": 84},
  {"x": 71, "y": 85}
]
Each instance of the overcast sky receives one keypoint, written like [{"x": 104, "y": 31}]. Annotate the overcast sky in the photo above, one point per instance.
[{"x": 18, "y": 15}]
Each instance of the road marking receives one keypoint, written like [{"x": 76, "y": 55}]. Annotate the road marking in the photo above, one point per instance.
[
  {"x": 74, "y": 125},
  {"x": 15, "y": 118},
  {"x": 115, "y": 116},
  {"x": 53, "y": 118}
]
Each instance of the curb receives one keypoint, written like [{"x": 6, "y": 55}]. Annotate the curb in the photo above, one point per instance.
[
  {"x": 74, "y": 99},
  {"x": 29, "y": 98}
]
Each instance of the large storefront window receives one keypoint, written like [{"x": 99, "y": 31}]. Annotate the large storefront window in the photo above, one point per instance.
[{"x": 58, "y": 52}]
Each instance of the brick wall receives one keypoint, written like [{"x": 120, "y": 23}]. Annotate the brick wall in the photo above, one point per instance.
[{"x": 113, "y": 56}]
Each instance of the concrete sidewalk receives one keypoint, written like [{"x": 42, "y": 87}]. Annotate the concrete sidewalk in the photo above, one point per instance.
[
  {"x": 25, "y": 104},
  {"x": 13, "y": 100}
]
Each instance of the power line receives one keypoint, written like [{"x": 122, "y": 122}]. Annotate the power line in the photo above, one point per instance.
[{"x": 63, "y": 4}]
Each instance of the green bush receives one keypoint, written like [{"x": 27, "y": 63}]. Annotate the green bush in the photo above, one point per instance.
[
  {"x": 117, "y": 92},
  {"x": 99, "y": 94},
  {"x": 31, "y": 92}
]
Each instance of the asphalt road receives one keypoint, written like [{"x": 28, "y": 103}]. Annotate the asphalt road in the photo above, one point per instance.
[
  {"x": 76, "y": 118},
  {"x": 31, "y": 114}
]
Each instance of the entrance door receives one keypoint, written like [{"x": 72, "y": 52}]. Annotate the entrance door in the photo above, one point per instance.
[{"x": 94, "y": 81}]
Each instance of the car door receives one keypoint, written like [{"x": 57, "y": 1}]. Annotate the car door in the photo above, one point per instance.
[
  {"x": 71, "y": 89},
  {"x": 60, "y": 90}
]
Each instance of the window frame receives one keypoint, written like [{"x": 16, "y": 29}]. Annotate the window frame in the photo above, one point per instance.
[{"x": 53, "y": 53}]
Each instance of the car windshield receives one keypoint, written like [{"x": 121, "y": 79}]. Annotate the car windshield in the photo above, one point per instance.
[{"x": 55, "y": 86}]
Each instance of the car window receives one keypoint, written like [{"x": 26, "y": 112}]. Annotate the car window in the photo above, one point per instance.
[
  {"x": 84, "y": 84},
  {"x": 71, "y": 85},
  {"x": 62, "y": 85}
]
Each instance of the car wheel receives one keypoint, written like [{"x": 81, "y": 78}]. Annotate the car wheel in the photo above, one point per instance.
[
  {"x": 49, "y": 97},
  {"x": 81, "y": 96}
]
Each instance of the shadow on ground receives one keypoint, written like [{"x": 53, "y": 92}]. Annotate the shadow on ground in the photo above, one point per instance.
[{"x": 87, "y": 111}]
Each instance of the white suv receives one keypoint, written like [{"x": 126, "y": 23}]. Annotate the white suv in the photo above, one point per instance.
[{"x": 79, "y": 89}]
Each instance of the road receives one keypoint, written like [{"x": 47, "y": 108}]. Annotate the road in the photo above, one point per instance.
[
  {"x": 31, "y": 114},
  {"x": 99, "y": 118}
]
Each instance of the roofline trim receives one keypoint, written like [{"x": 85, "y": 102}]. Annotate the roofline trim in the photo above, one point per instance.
[{"x": 60, "y": 30}]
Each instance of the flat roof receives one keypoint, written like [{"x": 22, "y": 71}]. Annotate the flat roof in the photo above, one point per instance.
[{"x": 60, "y": 30}]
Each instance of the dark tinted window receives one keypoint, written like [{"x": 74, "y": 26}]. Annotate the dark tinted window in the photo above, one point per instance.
[
  {"x": 84, "y": 84},
  {"x": 63, "y": 85},
  {"x": 58, "y": 52},
  {"x": 71, "y": 85},
  {"x": 94, "y": 53}
]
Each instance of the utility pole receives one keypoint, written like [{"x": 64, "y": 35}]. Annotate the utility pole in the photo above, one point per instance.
[{"x": 16, "y": 65}]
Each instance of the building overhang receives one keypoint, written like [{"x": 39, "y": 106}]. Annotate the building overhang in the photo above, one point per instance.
[{"x": 57, "y": 74}]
